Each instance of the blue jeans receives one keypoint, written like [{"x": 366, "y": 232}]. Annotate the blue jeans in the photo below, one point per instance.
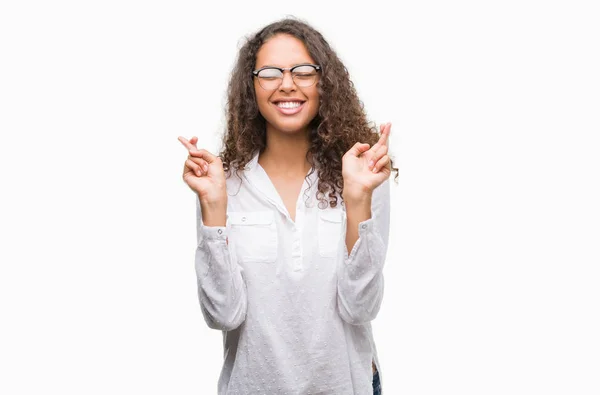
[{"x": 376, "y": 384}]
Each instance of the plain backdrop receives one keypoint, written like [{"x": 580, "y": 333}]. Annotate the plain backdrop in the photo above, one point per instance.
[{"x": 492, "y": 275}]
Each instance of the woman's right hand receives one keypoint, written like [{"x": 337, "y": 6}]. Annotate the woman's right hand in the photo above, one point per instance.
[{"x": 203, "y": 173}]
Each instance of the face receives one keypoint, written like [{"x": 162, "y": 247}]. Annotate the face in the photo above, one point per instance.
[{"x": 278, "y": 106}]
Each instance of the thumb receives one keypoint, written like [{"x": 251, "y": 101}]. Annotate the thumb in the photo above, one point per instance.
[{"x": 358, "y": 149}]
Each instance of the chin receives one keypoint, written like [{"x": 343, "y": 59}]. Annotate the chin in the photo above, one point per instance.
[{"x": 289, "y": 127}]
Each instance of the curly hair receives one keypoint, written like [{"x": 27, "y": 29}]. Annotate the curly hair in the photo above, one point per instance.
[{"x": 339, "y": 124}]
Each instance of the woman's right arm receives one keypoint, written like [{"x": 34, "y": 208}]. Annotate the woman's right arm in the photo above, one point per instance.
[{"x": 221, "y": 287}]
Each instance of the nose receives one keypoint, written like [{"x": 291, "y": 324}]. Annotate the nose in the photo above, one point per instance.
[{"x": 287, "y": 82}]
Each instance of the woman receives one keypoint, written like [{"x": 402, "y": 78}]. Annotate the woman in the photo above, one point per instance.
[{"x": 293, "y": 220}]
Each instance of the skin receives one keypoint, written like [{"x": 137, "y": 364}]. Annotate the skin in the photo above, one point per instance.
[
  {"x": 284, "y": 158},
  {"x": 286, "y": 51}
]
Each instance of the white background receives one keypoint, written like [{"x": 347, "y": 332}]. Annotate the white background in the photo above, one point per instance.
[{"x": 492, "y": 279}]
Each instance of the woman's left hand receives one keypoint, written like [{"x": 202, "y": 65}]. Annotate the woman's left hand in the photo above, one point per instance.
[{"x": 364, "y": 168}]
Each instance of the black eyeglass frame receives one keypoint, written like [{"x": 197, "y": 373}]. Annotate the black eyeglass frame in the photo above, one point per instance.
[{"x": 291, "y": 69}]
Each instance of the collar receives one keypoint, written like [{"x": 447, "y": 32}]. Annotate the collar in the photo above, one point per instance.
[{"x": 258, "y": 178}]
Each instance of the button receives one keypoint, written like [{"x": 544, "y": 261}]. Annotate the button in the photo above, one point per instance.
[
  {"x": 297, "y": 264},
  {"x": 243, "y": 219},
  {"x": 220, "y": 231},
  {"x": 364, "y": 226}
]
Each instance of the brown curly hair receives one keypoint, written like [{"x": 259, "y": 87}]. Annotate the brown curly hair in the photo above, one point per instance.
[{"x": 340, "y": 123}]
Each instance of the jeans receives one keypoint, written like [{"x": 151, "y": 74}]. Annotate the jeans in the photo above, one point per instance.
[{"x": 376, "y": 384}]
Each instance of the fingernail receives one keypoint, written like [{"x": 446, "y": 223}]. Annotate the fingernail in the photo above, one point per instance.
[
  {"x": 374, "y": 170},
  {"x": 206, "y": 168},
  {"x": 371, "y": 163}
]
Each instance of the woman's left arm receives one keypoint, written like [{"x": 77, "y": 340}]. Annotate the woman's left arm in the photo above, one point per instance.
[{"x": 367, "y": 220}]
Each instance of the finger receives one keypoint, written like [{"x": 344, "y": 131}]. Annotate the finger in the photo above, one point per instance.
[
  {"x": 385, "y": 134},
  {"x": 194, "y": 167},
  {"x": 382, "y": 140},
  {"x": 199, "y": 161},
  {"x": 193, "y": 142},
  {"x": 383, "y": 150},
  {"x": 187, "y": 144},
  {"x": 204, "y": 154},
  {"x": 358, "y": 149},
  {"x": 375, "y": 147},
  {"x": 381, "y": 163},
  {"x": 187, "y": 170}
]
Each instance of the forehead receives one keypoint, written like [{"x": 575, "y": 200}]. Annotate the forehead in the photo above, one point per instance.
[{"x": 282, "y": 50}]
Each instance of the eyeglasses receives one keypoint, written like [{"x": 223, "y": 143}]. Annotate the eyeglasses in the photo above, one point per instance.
[{"x": 303, "y": 75}]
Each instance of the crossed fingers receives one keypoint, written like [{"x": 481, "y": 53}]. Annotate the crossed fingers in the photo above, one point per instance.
[
  {"x": 379, "y": 158},
  {"x": 198, "y": 159}
]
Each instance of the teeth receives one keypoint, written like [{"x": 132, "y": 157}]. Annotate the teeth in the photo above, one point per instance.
[{"x": 289, "y": 104}]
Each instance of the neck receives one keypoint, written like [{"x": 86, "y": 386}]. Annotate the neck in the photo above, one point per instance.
[{"x": 285, "y": 153}]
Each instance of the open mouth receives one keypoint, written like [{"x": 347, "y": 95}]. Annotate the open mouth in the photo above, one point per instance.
[{"x": 289, "y": 107}]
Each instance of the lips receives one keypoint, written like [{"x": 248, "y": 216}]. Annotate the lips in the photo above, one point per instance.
[{"x": 290, "y": 107}]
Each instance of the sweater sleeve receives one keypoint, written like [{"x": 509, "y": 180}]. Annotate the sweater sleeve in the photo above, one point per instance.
[
  {"x": 221, "y": 286},
  {"x": 360, "y": 273}
]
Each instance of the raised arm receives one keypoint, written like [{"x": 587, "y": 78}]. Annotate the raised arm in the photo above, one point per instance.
[
  {"x": 221, "y": 287},
  {"x": 367, "y": 200}
]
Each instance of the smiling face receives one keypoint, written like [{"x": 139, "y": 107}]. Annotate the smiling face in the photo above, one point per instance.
[{"x": 288, "y": 108}]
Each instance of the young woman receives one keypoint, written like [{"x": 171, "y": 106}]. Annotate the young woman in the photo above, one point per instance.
[{"x": 293, "y": 220}]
